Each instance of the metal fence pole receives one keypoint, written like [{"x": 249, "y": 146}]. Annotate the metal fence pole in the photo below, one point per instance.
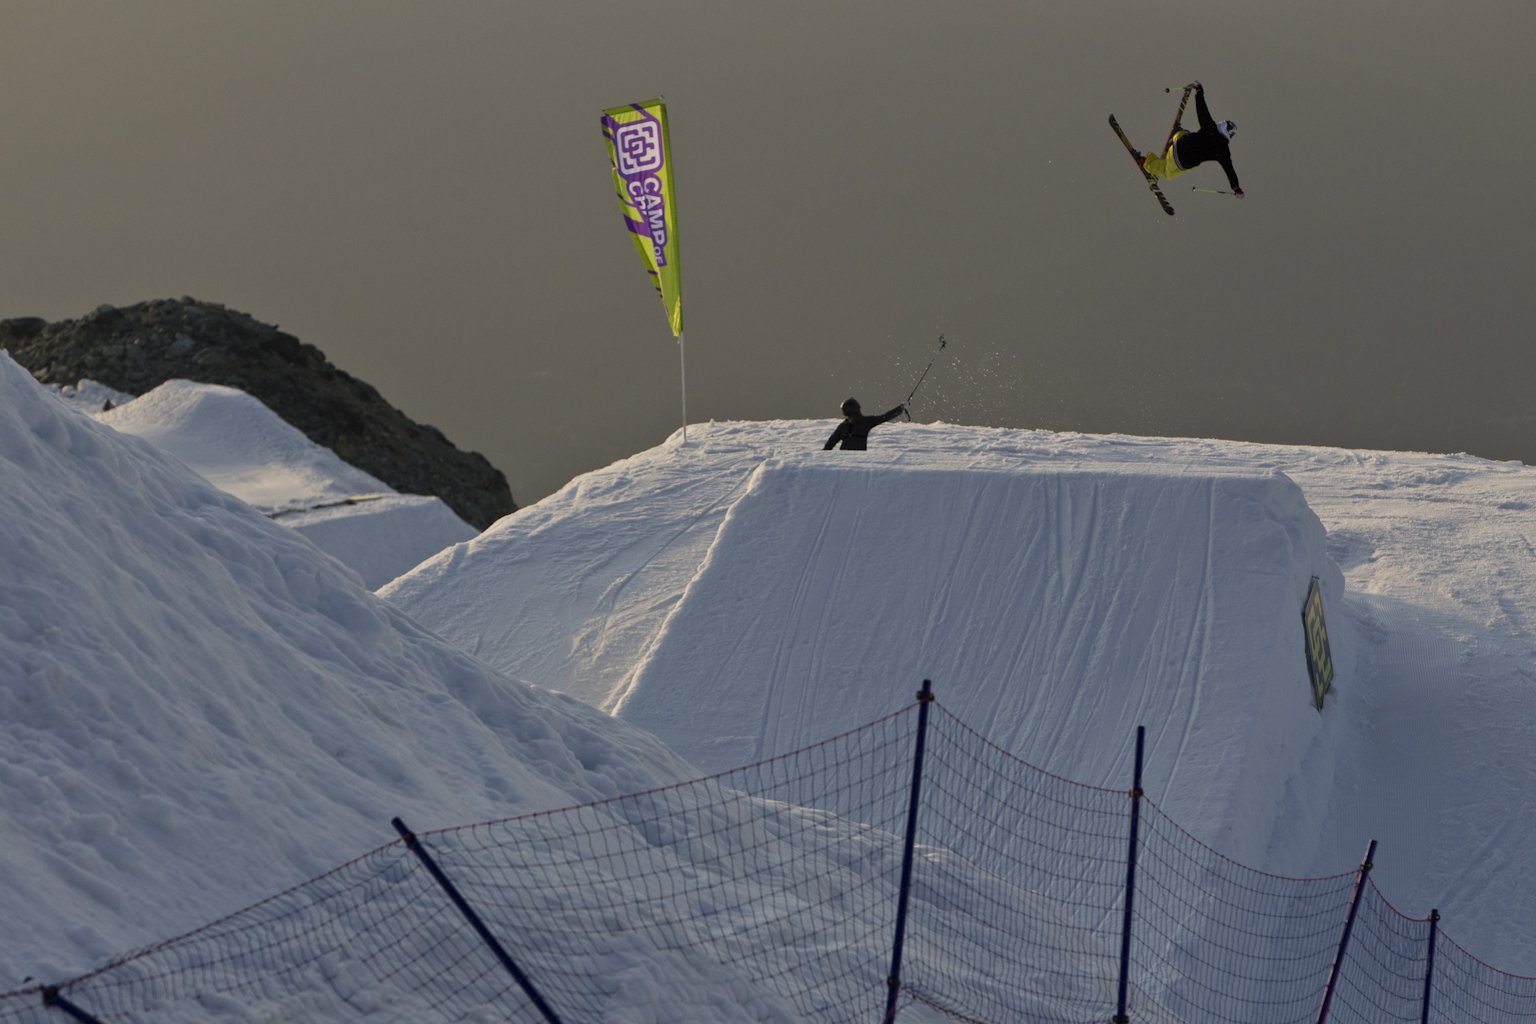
[
  {"x": 893, "y": 980},
  {"x": 1349, "y": 924},
  {"x": 1130, "y": 883},
  {"x": 1429, "y": 965},
  {"x": 473, "y": 918}
]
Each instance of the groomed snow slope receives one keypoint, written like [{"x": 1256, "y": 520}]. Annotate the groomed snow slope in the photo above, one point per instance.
[
  {"x": 240, "y": 446},
  {"x": 1424, "y": 744},
  {"x": 196, "y": 711},
  {"x": 1054, "y": 609}
]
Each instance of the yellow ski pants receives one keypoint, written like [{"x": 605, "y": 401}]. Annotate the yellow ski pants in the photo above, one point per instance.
[{"x": 1164, "y": 166}]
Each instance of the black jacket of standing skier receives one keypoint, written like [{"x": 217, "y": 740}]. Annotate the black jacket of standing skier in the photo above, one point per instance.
[
  {"x": 1212, "y": 141},
  {"x": 853, "y": 432}
]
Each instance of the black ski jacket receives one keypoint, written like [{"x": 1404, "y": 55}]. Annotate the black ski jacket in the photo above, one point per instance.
[
  {"x": 1197, "y": 147},
  {"x": 853, "y": 432}
]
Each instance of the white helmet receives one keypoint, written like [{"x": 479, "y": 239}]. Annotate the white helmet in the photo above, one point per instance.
[{"x": 1227, "y": 129}]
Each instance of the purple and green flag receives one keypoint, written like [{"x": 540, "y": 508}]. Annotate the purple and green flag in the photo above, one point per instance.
[{"x": 641, "y": 154}]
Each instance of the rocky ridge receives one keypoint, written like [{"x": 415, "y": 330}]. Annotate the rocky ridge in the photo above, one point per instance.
[{"x": 136, "y": 348}]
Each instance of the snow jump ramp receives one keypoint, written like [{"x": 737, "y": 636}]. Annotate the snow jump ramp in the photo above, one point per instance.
[{"x": 1055, "y": 609}]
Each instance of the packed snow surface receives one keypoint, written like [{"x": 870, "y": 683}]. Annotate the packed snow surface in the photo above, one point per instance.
[
  {"x": 239, "y": 445},
  {"x": 198, "y": 710},
  {"x": 745, "y": 593}
]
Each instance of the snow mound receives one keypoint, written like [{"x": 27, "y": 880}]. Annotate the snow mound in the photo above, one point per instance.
[
  {"x": 240, "y": 446},
  {"x": 1423, "y": 744},
  {"x": 197, "y": 711},
  {"x": 1056, "y": 609}
]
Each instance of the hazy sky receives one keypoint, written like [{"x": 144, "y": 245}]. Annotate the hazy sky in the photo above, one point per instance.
[{"x": 420, "y": 189}]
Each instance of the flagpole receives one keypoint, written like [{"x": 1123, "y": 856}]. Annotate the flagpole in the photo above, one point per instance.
[{"x": 682, "y": 362}]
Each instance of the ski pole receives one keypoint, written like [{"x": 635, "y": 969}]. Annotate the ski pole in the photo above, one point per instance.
[
  {"x": 1212, "y": 191},
  {"x": 919, "y": 383}
]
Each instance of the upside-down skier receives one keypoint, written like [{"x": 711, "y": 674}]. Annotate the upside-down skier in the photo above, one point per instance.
[{"x": 1186, "y": 149}]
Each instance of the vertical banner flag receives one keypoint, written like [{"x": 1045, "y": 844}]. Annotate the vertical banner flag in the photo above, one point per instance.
[{"x": 641, "y": 153}]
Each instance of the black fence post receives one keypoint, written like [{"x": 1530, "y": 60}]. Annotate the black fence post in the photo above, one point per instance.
[
  {"x": 1130, "y": 883},
  {"x": 473, "y": 918},
  {"x": 893, "y": 980},
  {"x": 54, "y": 1001},
  {"x": 1349, "y": 924},
  {"x": 1429, "y": 965}
]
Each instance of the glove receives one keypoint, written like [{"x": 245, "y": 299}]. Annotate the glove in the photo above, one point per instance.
[
  {"x": 1238, "y": 192},
  {"x": 905, "y": 409},
  {"x": 1198, "y": 86}
]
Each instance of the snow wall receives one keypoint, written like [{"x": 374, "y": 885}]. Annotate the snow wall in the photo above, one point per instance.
[{"x": 1055, "y": 610}]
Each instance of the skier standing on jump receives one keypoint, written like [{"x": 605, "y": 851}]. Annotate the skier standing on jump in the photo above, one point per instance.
[
  {"x": 1185, "y": 149},
  {"x": 853, "y": 431}
]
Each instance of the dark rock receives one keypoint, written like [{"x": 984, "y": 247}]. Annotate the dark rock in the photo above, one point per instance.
[
  {"x": 137, "y": 348},
  {"x": 24, "y": 326}
]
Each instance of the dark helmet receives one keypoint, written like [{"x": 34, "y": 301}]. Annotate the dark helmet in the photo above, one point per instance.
[{"x": 851, "y": 407}]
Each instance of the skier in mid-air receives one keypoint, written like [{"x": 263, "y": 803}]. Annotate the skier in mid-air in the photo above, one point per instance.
[
  {"x": 1186, "y": 149},
  {"x": 853, "y": 431}
]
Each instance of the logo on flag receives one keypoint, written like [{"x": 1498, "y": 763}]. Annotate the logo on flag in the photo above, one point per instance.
[{"x": 639, "y": 147}]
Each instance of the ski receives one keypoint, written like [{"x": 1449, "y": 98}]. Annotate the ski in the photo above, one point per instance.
[
  {"x": 1179, "y": 114},
  {"x": 1151, "y": 180}
]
